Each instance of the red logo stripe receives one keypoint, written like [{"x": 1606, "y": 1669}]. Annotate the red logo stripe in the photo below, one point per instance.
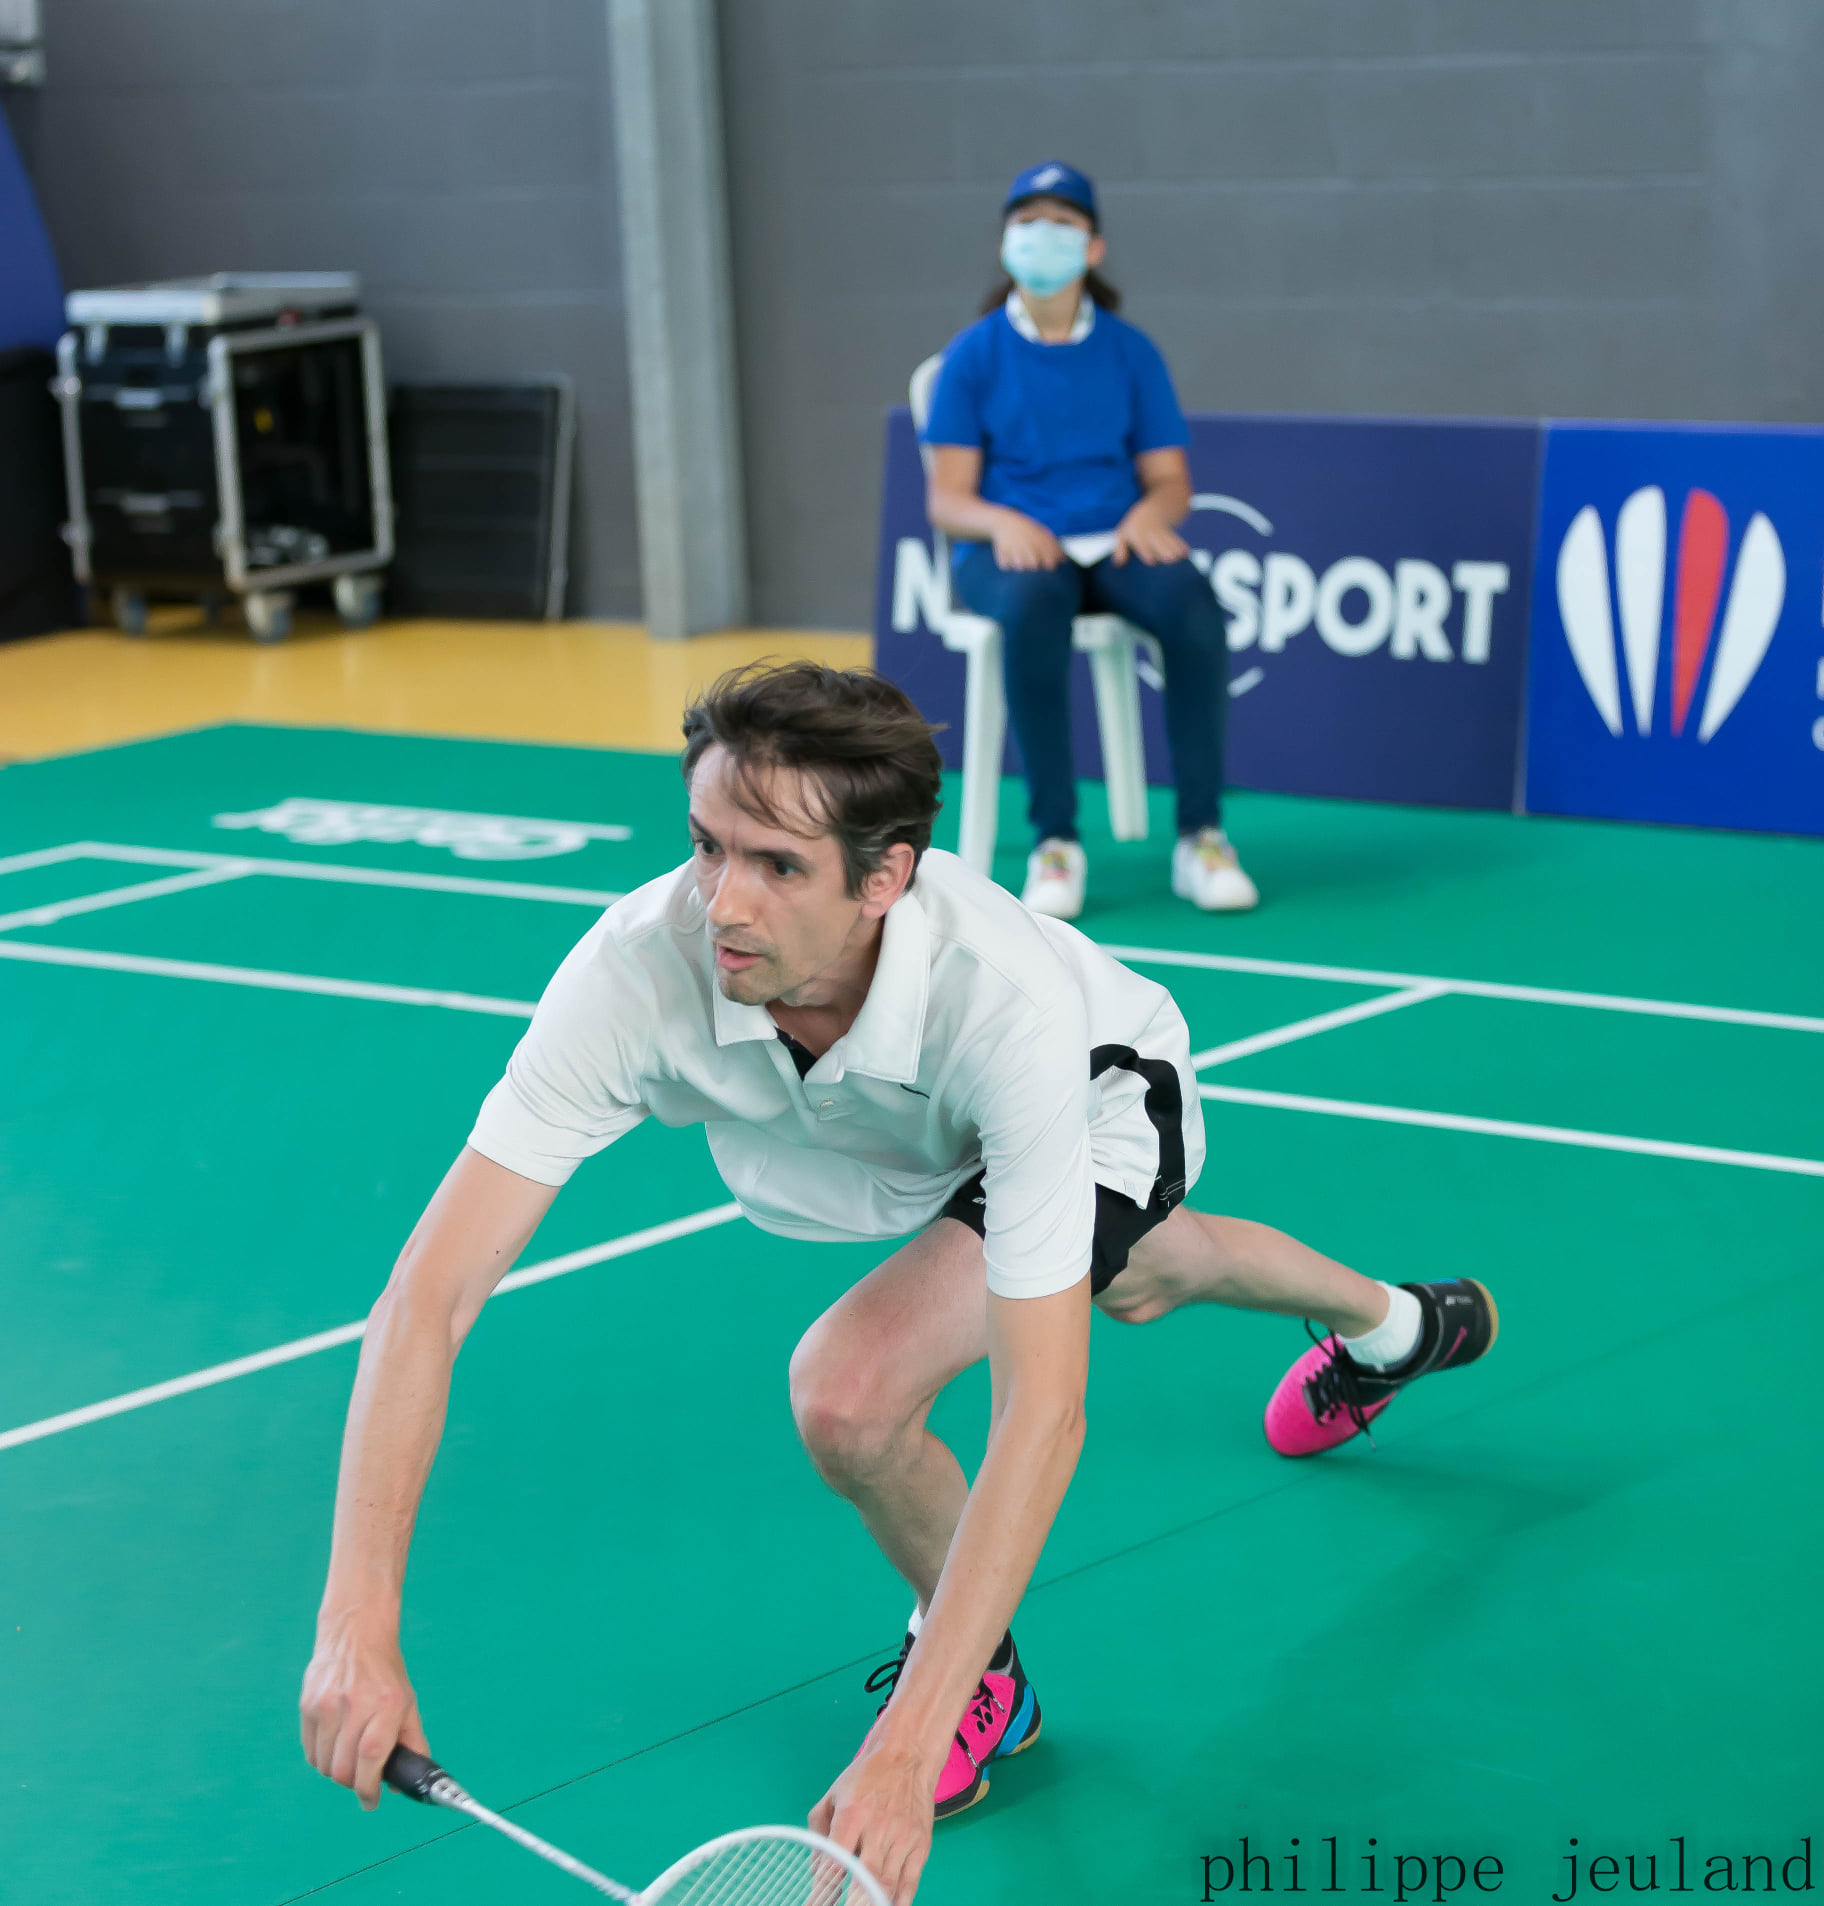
[{"x": 1703, "y": 542}]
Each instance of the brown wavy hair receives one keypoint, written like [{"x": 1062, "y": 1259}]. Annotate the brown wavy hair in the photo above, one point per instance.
[{"x": 855, "y": 734}]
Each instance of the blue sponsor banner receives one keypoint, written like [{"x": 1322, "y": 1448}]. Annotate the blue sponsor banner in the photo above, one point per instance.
[
  {"x": 1374, "y": 576},
  {"x": 1677, "y": 670}
]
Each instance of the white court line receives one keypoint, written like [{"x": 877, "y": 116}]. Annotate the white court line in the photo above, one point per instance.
[
  {"x": 123, "y": 896},
  {"x": 1509, "y": 1128},
  {"x": 43, "y": 857},
  {"x": 1320, "y": 1022},
  {"x": 340, "y": 873},
  {"x": 350, "y": 1333},
  {"x": 1138, "y": 955},
  {"x": 1476, "y": 988},
  {"x": 258, "y": 976}
]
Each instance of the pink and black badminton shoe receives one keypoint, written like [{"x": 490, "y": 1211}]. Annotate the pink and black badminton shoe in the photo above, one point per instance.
[{"x": 1327, "y": 1397}]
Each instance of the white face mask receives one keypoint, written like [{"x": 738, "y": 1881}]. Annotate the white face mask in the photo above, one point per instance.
[{"x": 1042, "y": 256}]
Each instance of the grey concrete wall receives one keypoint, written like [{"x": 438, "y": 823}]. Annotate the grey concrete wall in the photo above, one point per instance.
[
  {"x": 457, "y": 154},
  {"x": 1460, "y": 207},
  {"x": 1570, "y": 207}
]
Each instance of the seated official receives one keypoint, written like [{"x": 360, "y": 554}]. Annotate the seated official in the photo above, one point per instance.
[{"x": 1059, "y": 471}]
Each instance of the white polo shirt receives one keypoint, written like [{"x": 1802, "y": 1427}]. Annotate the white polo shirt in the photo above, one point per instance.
[{"x": 972, "y": 1052}]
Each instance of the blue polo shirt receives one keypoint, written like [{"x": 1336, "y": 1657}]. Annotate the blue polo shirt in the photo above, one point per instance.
[{"x": 1058, "y": 425}]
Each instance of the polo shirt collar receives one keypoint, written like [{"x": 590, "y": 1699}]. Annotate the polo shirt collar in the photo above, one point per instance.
[
  {"x": 889, "y": 1031},
  {"x": 1021, "y": 319},
  {"x": 734, "y": 1021}
]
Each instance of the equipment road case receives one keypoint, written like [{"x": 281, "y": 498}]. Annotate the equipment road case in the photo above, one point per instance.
[{"x": 227, "y": 435}]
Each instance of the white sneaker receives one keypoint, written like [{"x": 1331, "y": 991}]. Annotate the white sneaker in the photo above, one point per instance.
[
  {"x": 1206, "y": 872},
  {"x": 1055, "y": 877}
]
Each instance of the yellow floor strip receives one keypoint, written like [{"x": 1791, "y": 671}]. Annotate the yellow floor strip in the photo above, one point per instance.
[{"x": 600, "y": 684}]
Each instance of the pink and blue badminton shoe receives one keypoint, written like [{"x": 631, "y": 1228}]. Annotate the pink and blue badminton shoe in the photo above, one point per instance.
[{"x": 1002, "y": 1719}]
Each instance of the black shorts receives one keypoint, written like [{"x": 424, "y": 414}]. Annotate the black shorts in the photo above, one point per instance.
[{"x": 1120, "y": 1224}]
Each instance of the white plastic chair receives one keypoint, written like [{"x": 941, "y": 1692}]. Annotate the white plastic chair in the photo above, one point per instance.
[{"x": 1112, "y": 646}]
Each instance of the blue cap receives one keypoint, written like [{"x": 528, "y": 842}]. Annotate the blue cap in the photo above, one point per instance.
[{"x": 1054, "y": 180}]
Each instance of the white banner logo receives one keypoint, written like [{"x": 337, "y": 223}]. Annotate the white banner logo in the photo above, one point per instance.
[
  {"x": 313, "y": 823},
  {"x": 1270, "y": 598}
]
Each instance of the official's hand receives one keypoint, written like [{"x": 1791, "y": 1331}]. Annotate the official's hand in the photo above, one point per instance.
[
  {"x": 358, "y": 1704},
  {"x": 1142, "y": 534},
  {"x": 880, "y": 1809},
  {"x": 1020, "y": 543}
]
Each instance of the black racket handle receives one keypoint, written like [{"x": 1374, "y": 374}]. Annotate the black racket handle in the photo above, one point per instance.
[{"x": 412, "y": 1774}]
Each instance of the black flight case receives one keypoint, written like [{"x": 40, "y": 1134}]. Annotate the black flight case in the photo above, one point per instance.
[{"x": 226, "y": 436}]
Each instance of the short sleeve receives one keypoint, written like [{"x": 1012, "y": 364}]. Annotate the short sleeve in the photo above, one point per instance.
[
  {"x": 1158, "y": 422},
  {"x": 573, "y": 1084},
  {"x": 1039, "y": 1181},
  {"x": 955, "y": 416}
]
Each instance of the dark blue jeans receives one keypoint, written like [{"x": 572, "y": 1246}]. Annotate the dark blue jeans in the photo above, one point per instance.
[{"x": 1171, "y": 602}]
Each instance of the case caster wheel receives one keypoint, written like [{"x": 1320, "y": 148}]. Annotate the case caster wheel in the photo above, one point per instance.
[
  {"x": 129, "y": 608},
  {"x": 357, "y": 600},
  {"x": 269, "y": 614},
  {"x": 212, "y": 604}
]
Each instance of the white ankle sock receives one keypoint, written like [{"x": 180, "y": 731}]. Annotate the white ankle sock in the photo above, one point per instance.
[
  {"x": 916, "y": 1620},
  {"x": 1394, "y": 1338}
]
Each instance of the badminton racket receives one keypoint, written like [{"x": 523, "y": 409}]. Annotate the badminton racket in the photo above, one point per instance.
[{"x": 757, "y": 1866}]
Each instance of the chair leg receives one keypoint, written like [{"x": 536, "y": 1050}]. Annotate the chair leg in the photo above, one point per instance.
[
  {"x": 984, "y": 743},
  {"x": 1123, "y": 754}
]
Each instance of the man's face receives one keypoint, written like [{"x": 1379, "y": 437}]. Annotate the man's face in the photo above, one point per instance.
[{"x": 774, "y": 893}]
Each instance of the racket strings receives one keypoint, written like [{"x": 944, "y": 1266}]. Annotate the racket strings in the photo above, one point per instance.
[{"x": 761, "y": 1872}]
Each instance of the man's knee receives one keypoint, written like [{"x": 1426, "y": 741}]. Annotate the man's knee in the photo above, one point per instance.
[
  {"x": 1131, "y": 1300},
  {"x": 1165, "y": 1270},
  {"x": 848, "y": 1427}
]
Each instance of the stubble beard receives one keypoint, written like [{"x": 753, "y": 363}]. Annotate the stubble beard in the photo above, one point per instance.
[{"x": 753, "y": 985}]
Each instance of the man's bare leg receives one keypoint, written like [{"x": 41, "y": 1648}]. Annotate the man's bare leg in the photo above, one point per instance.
[
  {"x": 864, "y": 1378},
  {"x": 866, "y": 1373},
  {"x": 1195, "y": 1257}
]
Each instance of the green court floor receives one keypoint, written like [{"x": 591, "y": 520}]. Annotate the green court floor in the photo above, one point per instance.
[{"x": 1572, "y": 1593}]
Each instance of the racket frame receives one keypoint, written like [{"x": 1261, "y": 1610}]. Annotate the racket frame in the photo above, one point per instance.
[{"x": 441, "y": 1790}]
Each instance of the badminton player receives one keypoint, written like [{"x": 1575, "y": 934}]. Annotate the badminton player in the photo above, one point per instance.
[{"x": 881, "y": 1045}]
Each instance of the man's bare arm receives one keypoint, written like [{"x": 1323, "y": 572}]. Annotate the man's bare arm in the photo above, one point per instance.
[
  {"x": 1038, "y": 1350},
  {"x": 357, "y": 1702}
]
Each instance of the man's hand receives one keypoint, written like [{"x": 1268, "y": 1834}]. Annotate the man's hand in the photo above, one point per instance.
[
  {"x": 880, "y": 1809},
  {"x": 358, "y": 1704},
  {"x": 1021, "y": 543}
]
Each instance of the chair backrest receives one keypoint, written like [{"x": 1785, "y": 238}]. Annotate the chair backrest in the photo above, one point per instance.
[
  {"x": 924, "y": 381},
  {"x": 918, "y": 395}
]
